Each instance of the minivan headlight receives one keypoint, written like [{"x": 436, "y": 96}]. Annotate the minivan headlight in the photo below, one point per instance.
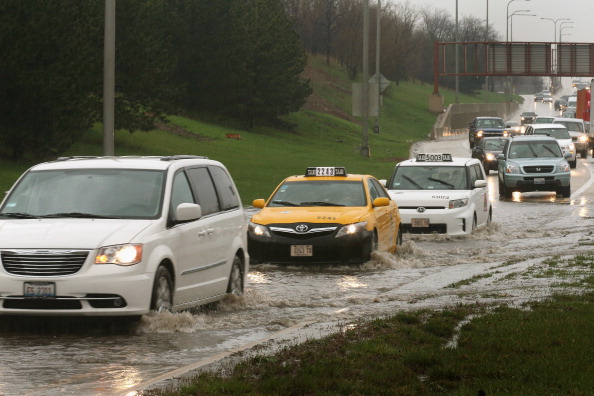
[{"x": 127, "y": 254}]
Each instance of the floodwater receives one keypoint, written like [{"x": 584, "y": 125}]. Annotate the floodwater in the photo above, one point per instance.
[{"x": 49, "y": 357}]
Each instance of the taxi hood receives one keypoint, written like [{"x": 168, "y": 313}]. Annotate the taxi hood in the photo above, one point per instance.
[
  {"x": 68, "y": 233},
  {"x": 317, "y": 214}
]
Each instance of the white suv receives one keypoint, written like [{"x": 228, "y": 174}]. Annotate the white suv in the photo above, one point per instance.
[{"x": 120, "y": 236}]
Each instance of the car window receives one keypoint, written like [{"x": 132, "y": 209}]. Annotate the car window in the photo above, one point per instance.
[
  {"x": 429, "y": 178},
  {"x": 224, "y": 185},
  {"x": 319, "y": 193},
  {"x": 180, "y": 192},
  {"x": 557, "y": 133},
  {"x": 571, "y": 126},
  {"x": 494, "y": 144},
  {"x": 542, "y": 149},
  {"x": 204, "y": 190}
]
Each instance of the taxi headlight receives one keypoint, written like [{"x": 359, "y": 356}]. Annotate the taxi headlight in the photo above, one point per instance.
[
  {"x": 563, "y": 166},
  {"x": 479, "y": 134},
  {"x": 490, "y": 157},
  {"x": 258, "y": 230},
  {"x": 351, "y": 229},
  {"x": 583, "y": 139},
  {"x": 128, "y": 254},
  {"x": 512, "y": 168},
  {"x": 458, "y": 203}
]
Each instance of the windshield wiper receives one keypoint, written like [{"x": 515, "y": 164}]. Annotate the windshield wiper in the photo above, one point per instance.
[
  {"x": 319, "y": 203},
  {"x": 413, "y": 182},
  {"x": 19, "y": 215},
  {"x": 445, "y": 183},
  {"x": 77, "y": 215},
  {"x": 285, "y": 203},
  {"x": 550, "y": 150}
]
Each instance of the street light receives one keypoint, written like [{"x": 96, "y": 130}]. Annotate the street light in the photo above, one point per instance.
[
  {"x": 561, "y": 34},
  {"x": 511, "y": 24},
  {"x": 555, "y": 22},
  {"x": 507, "y": 19},
  {"x": 561, "y": 26}
]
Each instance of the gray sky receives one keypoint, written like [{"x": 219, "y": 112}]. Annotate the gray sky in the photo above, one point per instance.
[{"x": 525, "y": 28}]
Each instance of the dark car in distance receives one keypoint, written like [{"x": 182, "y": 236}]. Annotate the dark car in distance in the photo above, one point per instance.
[
  {"x": 486, "y": 151},
  {"x": 560, "y": 104},
  {"x": 482, "y": 127},
  {"x": 527, "y": 117}
]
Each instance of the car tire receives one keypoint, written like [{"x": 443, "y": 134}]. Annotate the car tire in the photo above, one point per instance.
[
  {"x": 162, "y": 295},
  {"x": 564, "y": 192},
  {"x": 573, "y": 164},
  {"x": 584, "y": 153},
  {"x": 399, "y": 238},
  {"x": 370, "y": 246},
  {"x": 474, "y": 222},
  {"x": 235, "y": 285}
]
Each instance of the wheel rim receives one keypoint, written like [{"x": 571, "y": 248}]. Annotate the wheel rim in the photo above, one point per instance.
[{"x": 236, "y": 281}]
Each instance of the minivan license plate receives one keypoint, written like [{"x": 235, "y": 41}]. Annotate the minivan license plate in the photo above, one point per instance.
[
  {"x": 301, "y": 250},
  {"x": 39, "y": 289}
]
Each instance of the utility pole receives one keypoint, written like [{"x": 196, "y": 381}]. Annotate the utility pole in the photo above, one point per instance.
[
  {"x": 109, "y": 79},
  {"x": 365, "y": 108}
]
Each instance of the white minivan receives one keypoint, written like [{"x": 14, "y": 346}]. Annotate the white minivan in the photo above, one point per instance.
[{"x": 121, "y": 236}]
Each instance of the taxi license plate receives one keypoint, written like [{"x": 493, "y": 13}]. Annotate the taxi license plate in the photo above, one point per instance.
[
  {"x": 420, "y": 223},
  {"x": 39, "y": 289},
  {"x": 301, "y": 250},
  {"x": 539, "y": 180}
]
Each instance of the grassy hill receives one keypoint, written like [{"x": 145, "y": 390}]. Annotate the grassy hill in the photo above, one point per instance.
[{"x": 324, "y": 134}]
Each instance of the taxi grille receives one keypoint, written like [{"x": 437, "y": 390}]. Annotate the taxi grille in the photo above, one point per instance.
[
  {"x": 539, "y": 169},
  {"x": 43, "y": 262},
  {"x": 302, "y": 231}
]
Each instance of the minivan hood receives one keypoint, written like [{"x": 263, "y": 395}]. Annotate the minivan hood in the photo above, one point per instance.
[{"x": 68, "y": 233}]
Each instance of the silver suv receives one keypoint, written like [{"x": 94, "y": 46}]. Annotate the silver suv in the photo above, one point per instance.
[{"x": 120, "y": 236}]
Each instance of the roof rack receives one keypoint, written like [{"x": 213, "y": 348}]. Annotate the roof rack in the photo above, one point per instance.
[{"x": 181, "y": 157}]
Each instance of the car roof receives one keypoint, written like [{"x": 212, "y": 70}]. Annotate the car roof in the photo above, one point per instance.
[
  {"x": 348, "y": 177},
  {"x": 568, "y": 119},
  {"x": 531, "y": 138},
  {"x": 488, "y": 118},
  {"x": 127, "y": 162},
  {"x": 456, "y": 161},
  {"x": 548, "y": 126}
]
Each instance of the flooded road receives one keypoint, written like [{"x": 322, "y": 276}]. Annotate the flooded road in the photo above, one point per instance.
[{"x": 49, "y": 357}]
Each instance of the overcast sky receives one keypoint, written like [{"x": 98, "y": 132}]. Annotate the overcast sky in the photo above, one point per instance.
[{"x": 525, "y": 28}]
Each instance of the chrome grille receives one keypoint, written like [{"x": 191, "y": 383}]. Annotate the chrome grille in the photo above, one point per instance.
[
  {"x": 34, "y": 262},
  {"x": 539, "y": 169}
]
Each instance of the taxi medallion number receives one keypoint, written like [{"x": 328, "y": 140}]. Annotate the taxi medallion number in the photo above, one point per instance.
[
  {"x": 39, "y": 289},
  {"x": 301, "y": 250},
  {"x": 419, "y": 223}
]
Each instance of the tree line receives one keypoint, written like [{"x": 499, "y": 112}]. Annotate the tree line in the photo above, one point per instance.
[{"x": 238, "y": 59}]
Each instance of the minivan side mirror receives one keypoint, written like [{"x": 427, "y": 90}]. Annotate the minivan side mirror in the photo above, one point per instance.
[{"x": 188, "y": 212}]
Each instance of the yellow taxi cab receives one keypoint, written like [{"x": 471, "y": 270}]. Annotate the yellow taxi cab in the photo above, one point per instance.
[{"x": 325, "y": 216}]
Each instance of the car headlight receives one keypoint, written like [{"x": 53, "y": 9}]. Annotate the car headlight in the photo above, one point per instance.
[
  {"x": 571, "y": 147},
  {"x": 458, "y": 203},
  {"x": 490, "y": 157},
  {"x": 512, "y": 168},
  {"x": 128, "y": 254},
  {"x": 258, "y": 230},
  {"x": 583, "y": 139},
  {"x": 505, "y": 133},
  {"x": 479, "y": 134},
  {"x": 563, "y": 166},
  {"x": 351, "y": 229}
]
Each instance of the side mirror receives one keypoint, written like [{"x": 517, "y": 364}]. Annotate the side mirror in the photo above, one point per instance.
[
  {"x": 188, "y": 212},
  {"x": 258, "y": 203},
  {"x": 381, "y": 201},
  {"x": 480, "y": 184},
  {"x": 567, "y": 155},
  {"x": 383, "y": 182},
  {"x": 500, "y": 156}
]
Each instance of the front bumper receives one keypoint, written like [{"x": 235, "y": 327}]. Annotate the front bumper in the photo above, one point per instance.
[
  {"x": 325, "y": 248},
  {"x": 441, "y": 220},
  {"x": 536, "y": 182}
]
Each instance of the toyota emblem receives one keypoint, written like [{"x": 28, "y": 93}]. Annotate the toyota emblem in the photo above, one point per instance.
[
  {"x": 421, "y": 209},
  {"x": 301, "y": 228}
]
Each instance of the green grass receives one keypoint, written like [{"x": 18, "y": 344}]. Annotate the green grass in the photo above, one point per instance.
[{"x": 542, "y": 348}]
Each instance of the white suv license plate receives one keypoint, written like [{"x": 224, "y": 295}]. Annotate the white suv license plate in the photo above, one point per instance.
[
  {"x": 39, "y": 289},
  {"x": 419, "y": 223},
  {"x": 301, "y": 250}
]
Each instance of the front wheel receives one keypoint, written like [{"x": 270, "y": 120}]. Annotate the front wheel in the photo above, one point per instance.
[
  {"x": 235, "y": 286},
  {"x": 162, "y": 296},
  {"x": 565, "y": 192}
]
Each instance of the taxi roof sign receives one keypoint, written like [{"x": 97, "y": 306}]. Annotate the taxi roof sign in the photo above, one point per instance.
[
  {"x": 430, "y": 157},
  {"x": 325, "y": 171}
]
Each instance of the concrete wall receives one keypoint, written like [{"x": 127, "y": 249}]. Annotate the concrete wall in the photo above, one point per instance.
[{"x": 456, "y": 118}]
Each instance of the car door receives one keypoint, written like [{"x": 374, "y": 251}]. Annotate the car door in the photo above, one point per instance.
[
  {"x": 384, "y": 216},
  {"x": 479, "y": 196}
]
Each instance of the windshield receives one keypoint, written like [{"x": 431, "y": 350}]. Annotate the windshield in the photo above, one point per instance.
[
  {"x": 541, "y": 149},
  {"x": 319, "y": 193},
  {"x": 429, "y": 178},
  {"x": 494, "y": 144},
  {"x": 91, "y": 193},
  {"x": 557, "y": 133},
  {"x": 544, "y": 120},
  {"x": 490, "y": 123},
  {"x": 571, "y": 126}
]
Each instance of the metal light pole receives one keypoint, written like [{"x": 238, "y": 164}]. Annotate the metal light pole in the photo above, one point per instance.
[
  {"x": 365, "y": 143},
  {"x": 507, "y": 19},
  {"x": 456, "y": 46},
  {"x": 487, "y": 39},
  {"x": 377, "y": 64},
  {"x": 109, "y": 78},
  {"x": 555, "y": 22},
  {"x": 511, "y": 23},
  {"x": 561, "y": 27}
]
